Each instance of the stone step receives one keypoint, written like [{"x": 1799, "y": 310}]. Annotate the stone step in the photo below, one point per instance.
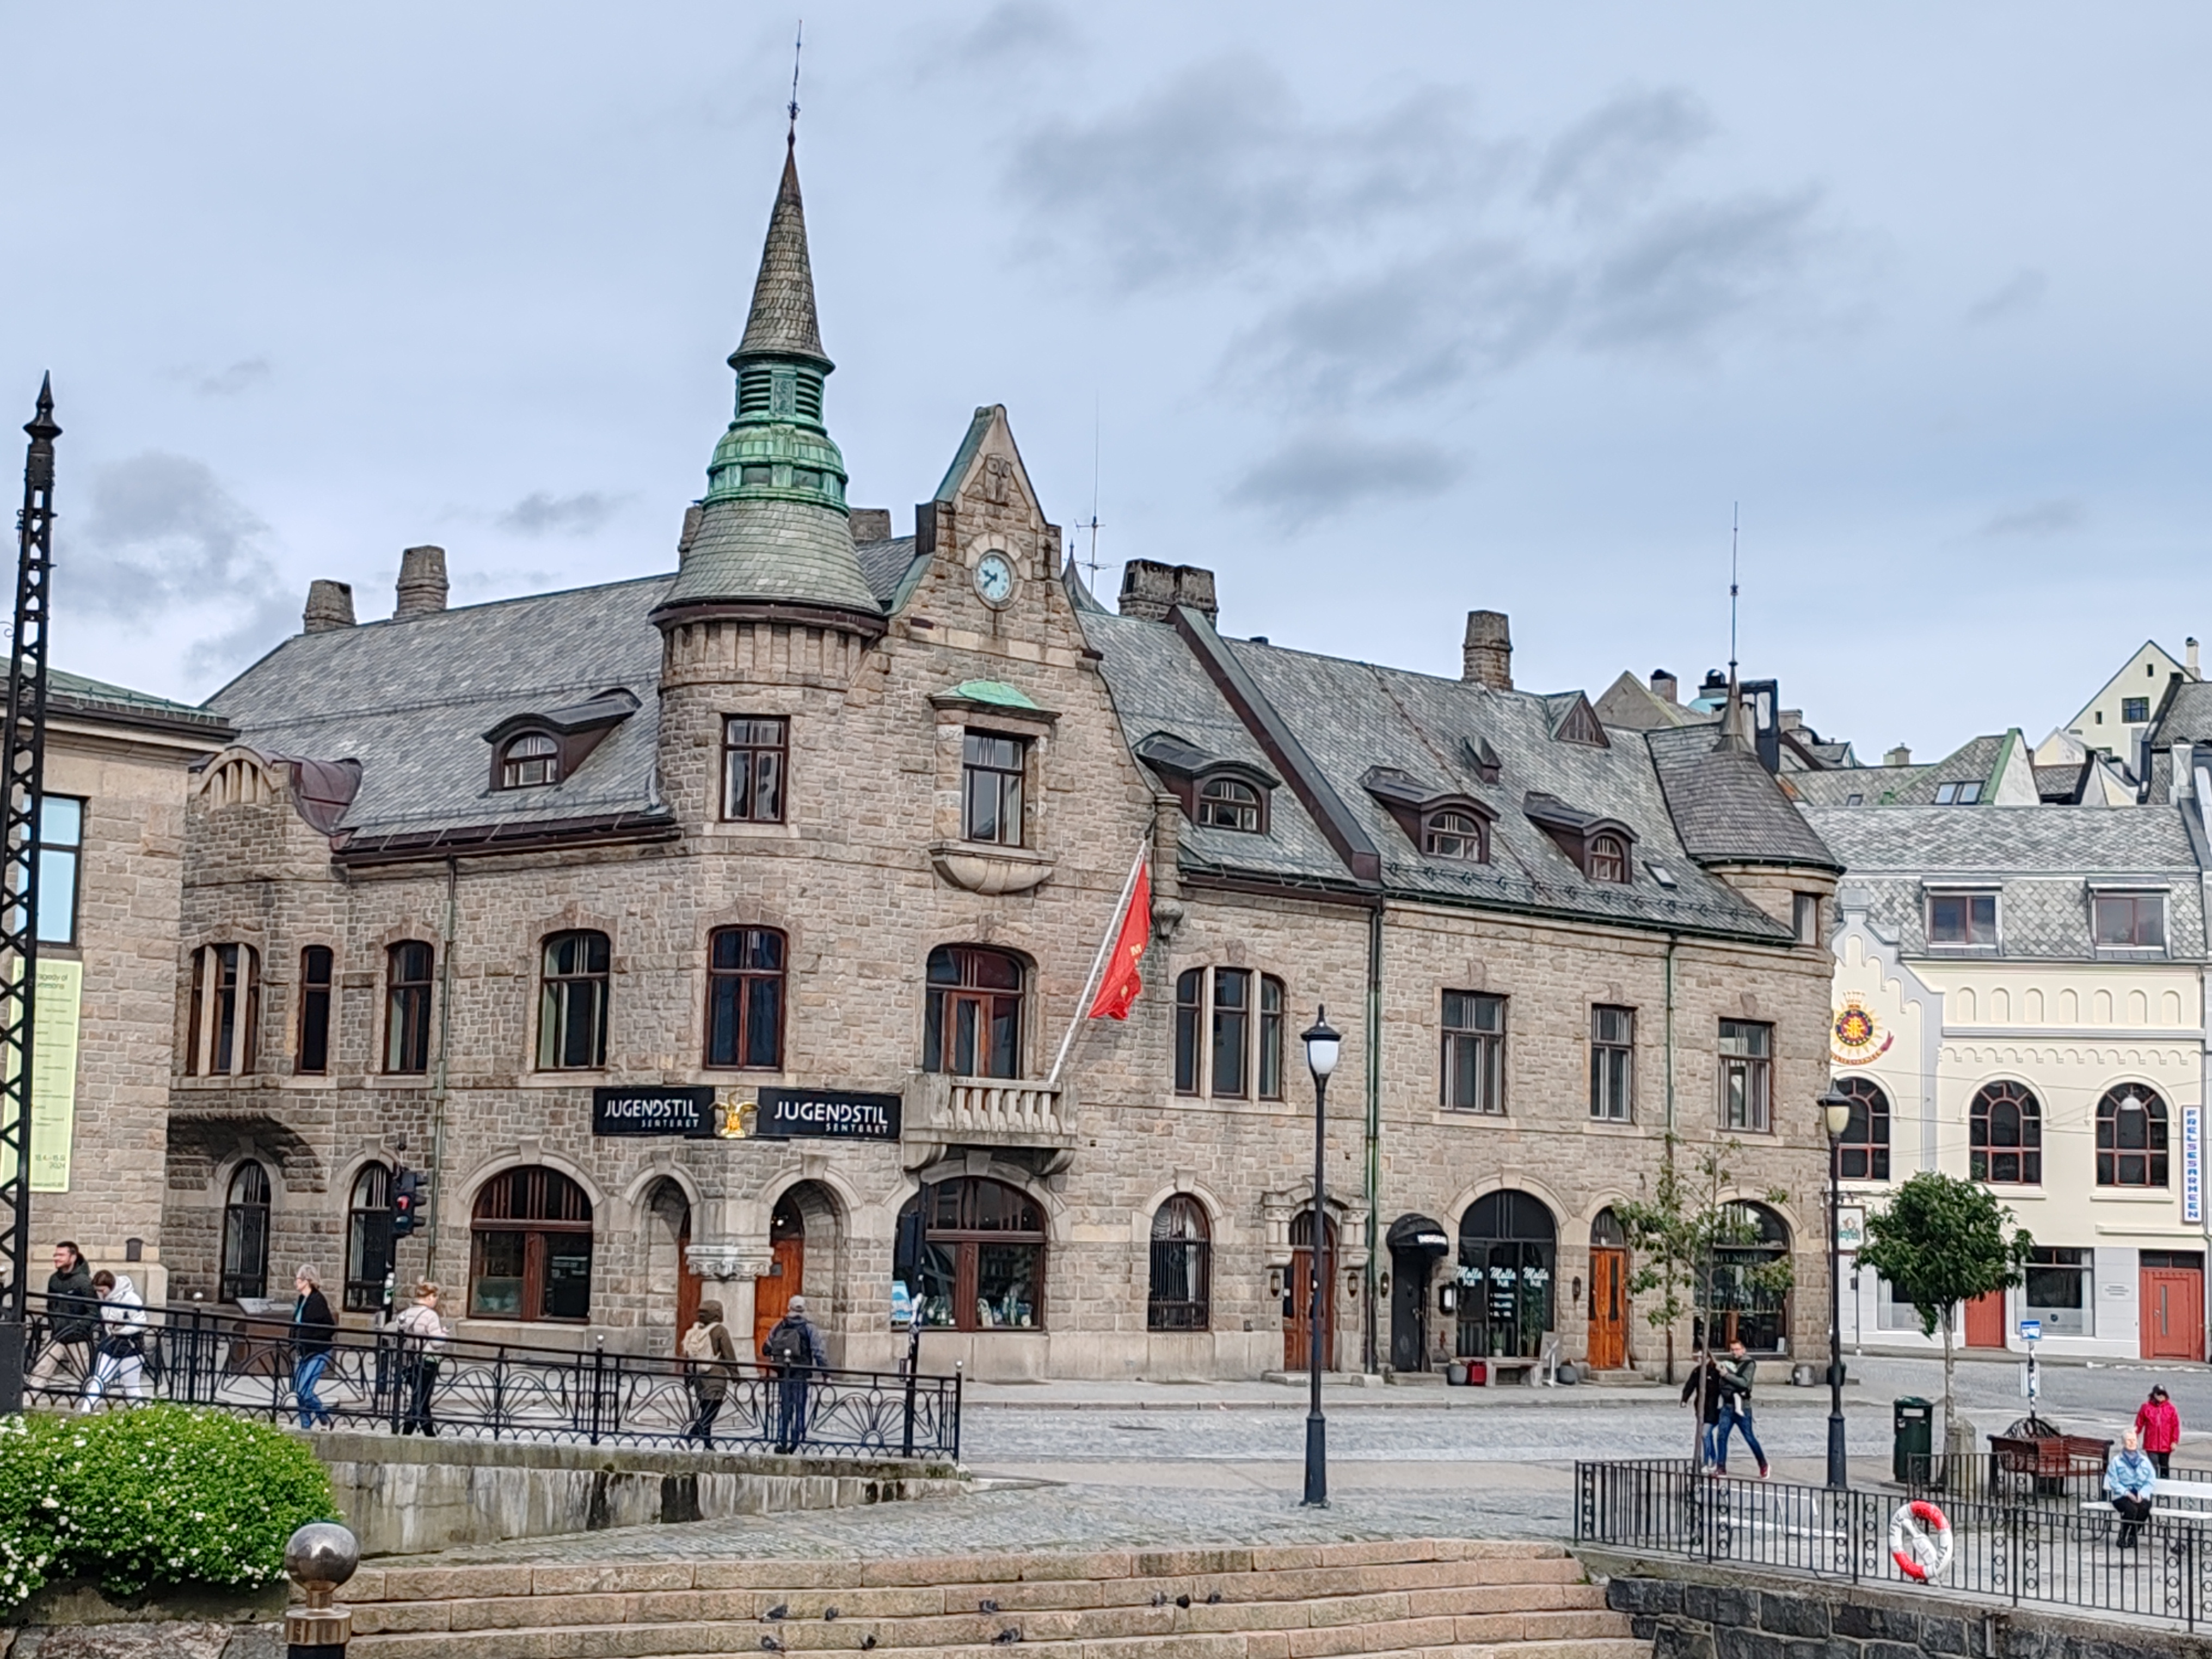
[{"x": 1417, "y": 1641}]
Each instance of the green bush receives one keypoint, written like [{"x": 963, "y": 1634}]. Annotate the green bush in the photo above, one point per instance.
[{"x": 159, "y": 1495}]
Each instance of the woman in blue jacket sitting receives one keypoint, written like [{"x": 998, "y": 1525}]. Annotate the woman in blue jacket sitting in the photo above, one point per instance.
[{"x": 2129, "y": 1478}]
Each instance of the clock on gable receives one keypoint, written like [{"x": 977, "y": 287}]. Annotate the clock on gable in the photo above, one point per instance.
[{"x": 994, "y": 579}]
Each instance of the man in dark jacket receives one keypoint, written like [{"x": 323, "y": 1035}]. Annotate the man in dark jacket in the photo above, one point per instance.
[
  {"x": 72, "y": 1324},
  {"x": 794, "y": 1352},
  {"x": 1710, "y": 1389}
]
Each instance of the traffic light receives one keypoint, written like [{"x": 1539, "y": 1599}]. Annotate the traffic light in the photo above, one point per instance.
[{"x": 405, "y": 1195}]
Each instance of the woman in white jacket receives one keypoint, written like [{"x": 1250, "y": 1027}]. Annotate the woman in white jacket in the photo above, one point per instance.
[{"x": 121, "y": 1357}]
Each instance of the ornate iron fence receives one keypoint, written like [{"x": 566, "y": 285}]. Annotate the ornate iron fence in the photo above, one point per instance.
[
  {"x": 2064, "y": 1552},
  {"x": 376, "y": 1380}
]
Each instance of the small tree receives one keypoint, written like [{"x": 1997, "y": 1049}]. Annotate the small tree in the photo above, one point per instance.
[
  {"x": 1941, "y": 1242},
  {"x": 1678, "y": 1236}
]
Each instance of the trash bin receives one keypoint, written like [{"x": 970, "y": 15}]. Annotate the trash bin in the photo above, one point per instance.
[{"x": 1913, "y": 1421}]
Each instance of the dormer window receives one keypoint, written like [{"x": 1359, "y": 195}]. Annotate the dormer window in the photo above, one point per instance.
[
  {"x": 530, "y": 762},
  {"x": 1228, "y": 804},
  {"x": 1597, "y": 845},
  {"x": 1455, "y": 835},
  {"x": 1608, "y": 858}
]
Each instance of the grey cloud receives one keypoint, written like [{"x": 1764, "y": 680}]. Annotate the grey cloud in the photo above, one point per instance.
[
  {"x": 543, "y": 513},
  {"x": 2024, "y": 291},
  {"x": 1616, "y": 155},
  {"x": 1320, "y": 473},
  {"x": 242, "y": 375},
  {"x": 1010, "y": 31},
  {"x": 1676, "y": 278},
  {"x": 2044, "y": 519}
]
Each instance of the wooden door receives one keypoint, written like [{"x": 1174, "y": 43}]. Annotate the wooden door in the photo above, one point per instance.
[
  {"x": 1608, "y": 1310},
  {"x": 787, "y": 1274},
  {"x": 687, "y": 1282},
  {"x": 1985, "y": 1321},
  {"x": 2173, "y": 1312},
  {"x": 1298, "y": 1329}
]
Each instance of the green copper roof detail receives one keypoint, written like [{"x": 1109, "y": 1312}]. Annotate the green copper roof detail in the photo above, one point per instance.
[{"x": 992, "y": 691}]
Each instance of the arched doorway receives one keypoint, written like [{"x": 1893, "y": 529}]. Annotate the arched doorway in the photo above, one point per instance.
[
  {"x": 1416, "y": 1244},
  {"x": 1751, "y": 1282},
  {"x": 787, "y": 1272},
  {"x": 971, "y": 1255},
  {"x": 1608, "y": 1301},
  {"x": 1298, "y": 1327},
  {"x": 667, "y": 1241},
  {"x": 1508, "y": 1259}
]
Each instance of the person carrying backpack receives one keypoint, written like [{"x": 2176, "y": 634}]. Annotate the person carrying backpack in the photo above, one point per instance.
[
  {"x": 710, "y": 1359},
  {"x": 793, "y": 1353}
]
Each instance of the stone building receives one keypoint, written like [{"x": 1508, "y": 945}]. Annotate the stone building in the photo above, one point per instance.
[{"x": 739, "y": 921}]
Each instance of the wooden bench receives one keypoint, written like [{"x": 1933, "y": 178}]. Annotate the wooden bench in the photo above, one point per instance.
[{"x": 2050, "y": 1458}]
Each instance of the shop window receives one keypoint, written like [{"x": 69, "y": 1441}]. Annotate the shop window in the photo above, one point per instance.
[
  {"x": 226, "y": 1008},
  {"x": 1473, "y": 1052},
  {"x": 755, "y": 758},
  {"x": 971, "y": 1256},
  {"x": 745, "y": 998},
  {"x": 530, "y": 1255},
  {"x": 990, "y": 788},
  {"x": 974, "y": 1022},
  {"x": 369, "y": 1239},
  {"x": 1508, "y": 1259},
  {"x": 1746, "y": 1071},
  {"x": 2131, "y": 1138},
  {"x": 407, "y": 971},
  {"x": 1226, "y": 1045},
  {"x": 1228, "y": 804},
  {"x": 1862, "y": 1149},
  {"x": 1750, "y": 1277},
  {"x": 1612, "y": 1063},
  {"x": 316, "y": 965},
  {"x": 1891, "y": 1312},
  {"x": 246, "y": 1234},
  {"x": 2061, "y": 1290},
  {"x": 530, "y": 762},
  {"x": 1180, "y": 1297},
  {"x": 61, "y": 854},
  {"x": 572, "y": 1002},
  {"x": 2005, "y": 1137}
]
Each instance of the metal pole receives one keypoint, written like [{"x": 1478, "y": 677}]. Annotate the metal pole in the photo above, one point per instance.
[
  {"x": 1316, "y": 1425},
  {"x": 1839, "y": 1464}
]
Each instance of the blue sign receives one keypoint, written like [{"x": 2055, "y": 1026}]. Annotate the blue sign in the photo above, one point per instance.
[
  {"x": 2031, "y": 1330},
  {"x": 2193, "y": 1165}
]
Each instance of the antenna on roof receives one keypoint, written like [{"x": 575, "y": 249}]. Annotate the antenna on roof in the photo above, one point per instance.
[
  {"x": 1092, "y": 563},
  {"x": 1735, "y": 516},
  {"x": 790, "y": 138}
]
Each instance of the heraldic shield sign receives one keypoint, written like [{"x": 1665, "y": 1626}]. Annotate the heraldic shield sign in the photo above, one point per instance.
[{"x": 1856, "y": 1036}]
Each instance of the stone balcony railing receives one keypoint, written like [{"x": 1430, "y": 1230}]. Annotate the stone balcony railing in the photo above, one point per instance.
[{"x": 943, "y": 1112}]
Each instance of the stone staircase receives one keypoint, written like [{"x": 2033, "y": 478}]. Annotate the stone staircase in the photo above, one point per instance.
[{"x": 1433, "y": 1599}]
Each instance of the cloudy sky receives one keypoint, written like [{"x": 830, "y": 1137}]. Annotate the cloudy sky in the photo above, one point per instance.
[{"x": 1382, "y": 313}]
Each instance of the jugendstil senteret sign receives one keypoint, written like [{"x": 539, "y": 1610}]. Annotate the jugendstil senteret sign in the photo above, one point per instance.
[
  {"x": 826, "y": 1114},
  {"x": 654, "y": 1111}
]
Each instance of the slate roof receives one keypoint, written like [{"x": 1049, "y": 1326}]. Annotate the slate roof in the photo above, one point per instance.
[
  {"x": 412, "y": 698},
  {"x": 782, "y": 319},
  {"x": 1727, "y": 806},
  {"x": 1975, "y": 760},
  {"x": 768, "y": 550},
  {"x": 2043, "y": 862},
  {"x": 79, "y": 694}
]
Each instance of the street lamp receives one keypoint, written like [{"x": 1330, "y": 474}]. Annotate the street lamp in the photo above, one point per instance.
[
  {"x": 1836, "y": 1112},
  {"x": 1322, "y": 1042}
]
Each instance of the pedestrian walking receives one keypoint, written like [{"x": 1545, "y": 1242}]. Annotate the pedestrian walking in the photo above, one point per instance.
[
  {"x": 422, "y": 1337},
  {"x": 1704, "y": 1389},
  {"x": 793, "y": 1353},
  {"x": 2129, "y": 1478},
  {"x": 121, "y": 1360},
  {"x": 73, "y": 1323},
  {"x": 710, "y": 1360},
  {"x": 313, "y": 1328},
  {"x": 1737, "y": 1373},
  {"x": 2160, "y": 1425}
]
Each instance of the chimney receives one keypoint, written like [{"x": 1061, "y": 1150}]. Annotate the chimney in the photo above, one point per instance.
[
  {"x": 422, "y": 581},
  {"x": 1900, "y": 756},
  {"x": 1150, "y": 590},
  {"x": 1486, "y": 657},
  {"x": 1665, "y": 685},
  {"x": 2189, "y": 657},
  {"x": 1793, "y": 720},
  {"x": 872, "y": 524},
  {"x": 330, "y": 607}
]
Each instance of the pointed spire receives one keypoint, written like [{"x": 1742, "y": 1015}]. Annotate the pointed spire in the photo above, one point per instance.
[
  {"x": 782, "y": 322},
  {"x": 41, "y": 426},
  {"x": 1736, "y": 723}
]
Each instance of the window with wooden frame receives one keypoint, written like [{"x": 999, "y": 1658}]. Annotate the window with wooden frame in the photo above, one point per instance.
[
  {"x": 2129, "y": 920},
  {"x": 991, "y": 769},
  {"x": 1862, "y": 1149},
  {"x": 1967, "y": 920},
  {"x": 1746, "y": 1073},
  {"x": 1608, "y": 858},
  {"x": 224, "y": 1023},
  {"x": 408, "y": 969},
  {"x": 1612, "y": 1063},
  {"x": 755, "y": 761},
  {"x": 245, "y": 1234},
  {"x": 745, "y": 998},
  {"x": 971, "y": 1253},
  {"x": 1228, "y": 804},
  {"x": 1179, "y": 1296},
  {"x": 530, "y": 762},
  {"x": 1473, "y": 1052},
  {"x": 2131, "y": 1138},
  {"x": 1452, "y": 834},
  {"x": 317, "y": 966},
  {"x": 972, "y": 1024},
  {"x": 369, "y": 1239},
  {"x": 1805, "y": 917},
  {"x": 572, "y": 1001},
  {"x": 2004, "y": 1136},
  {"x": 1229, "y": 1034},
  {"x": 530, "y": 1248}
]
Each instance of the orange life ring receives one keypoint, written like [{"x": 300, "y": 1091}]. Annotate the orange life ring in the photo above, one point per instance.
[{"x": 1920, "y": 1541}]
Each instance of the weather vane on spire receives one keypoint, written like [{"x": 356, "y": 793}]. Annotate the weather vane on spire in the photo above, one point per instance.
[{"x": 790, "y": 138}]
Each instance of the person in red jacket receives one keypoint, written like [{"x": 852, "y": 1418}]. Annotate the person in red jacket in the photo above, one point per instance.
[{"x": 2159, "y": 1424}]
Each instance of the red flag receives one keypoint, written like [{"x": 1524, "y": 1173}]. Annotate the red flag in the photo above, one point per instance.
[{"x": 1120, "y": 986}]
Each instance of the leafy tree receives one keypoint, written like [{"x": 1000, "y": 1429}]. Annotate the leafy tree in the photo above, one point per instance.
[{"x": 1940, "y": 1241}]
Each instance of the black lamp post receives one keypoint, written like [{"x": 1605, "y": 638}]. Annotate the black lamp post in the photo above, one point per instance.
[
  {"x": 1322, "y": 1042},
  {"x": 1836, "y": 1111}
]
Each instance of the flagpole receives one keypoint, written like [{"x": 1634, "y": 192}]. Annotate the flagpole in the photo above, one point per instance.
[{"x": 1098, "y": 962}]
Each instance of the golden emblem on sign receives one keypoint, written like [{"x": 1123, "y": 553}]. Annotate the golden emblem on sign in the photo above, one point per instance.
[
  {"x": 1856, "y": 1036},
  {"x": 737, "y": 1120}
]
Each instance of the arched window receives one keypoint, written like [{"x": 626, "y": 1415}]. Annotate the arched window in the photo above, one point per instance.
[
  {"x": 1605, "y": 1232},
  {"x": 1181, "y": 1294},
  {"x": 971, "y": 1255},
  {"x": 744, "y": 997},
  {"x": 529, "y": 760},
  {"x": 572, "y": 1005},
  {"x": 1508, "y": 1255},
  {"x": 530, "y": 1247},
  {"x": 1862, "y": 1150},
  {"x": 973, "y": 1024},
  {"x": 246, "y": 1233},
  {"x": 1750, "y": 1278},
  {"x": 2131, "y": 1138},
  {"x": 2005, "y": 1137},
  {"x": 407, "y": 971},
  {"x": 1608, "y": 858},
  {"x": 1455, "y": 835},
  {"x": 1228, "y": 804},
  {"x": 369, "y": 1239}
]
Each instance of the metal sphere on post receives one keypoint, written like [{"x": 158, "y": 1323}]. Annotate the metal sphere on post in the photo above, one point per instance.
[
  {"x": 1323, "y": 1044},
  {"x": 320, "y": 1557},
  {"x": 1836, "y": 1116}
]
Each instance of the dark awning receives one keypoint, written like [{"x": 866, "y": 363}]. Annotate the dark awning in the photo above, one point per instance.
[{"x": 1420, "y": 1232}]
